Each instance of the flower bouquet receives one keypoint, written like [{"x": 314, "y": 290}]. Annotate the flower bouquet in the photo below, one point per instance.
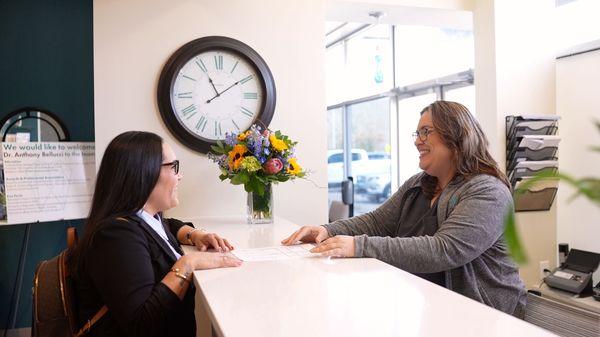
[{"x": 257, "y": 159}]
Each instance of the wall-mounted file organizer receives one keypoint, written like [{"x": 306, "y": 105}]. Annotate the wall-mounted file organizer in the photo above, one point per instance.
[{"x": 531, "y": 148}]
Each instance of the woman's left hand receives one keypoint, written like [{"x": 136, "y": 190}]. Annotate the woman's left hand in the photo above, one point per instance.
[
  {"x": 337, "y": 246},
  {"x": 205, "y": 240}
]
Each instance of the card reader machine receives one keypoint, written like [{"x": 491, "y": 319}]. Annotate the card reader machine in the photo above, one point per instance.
[{"x": 575, "y": 275}]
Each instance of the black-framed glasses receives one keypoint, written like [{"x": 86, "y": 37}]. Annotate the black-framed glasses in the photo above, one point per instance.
[
  {"x": 174, "y": 165},
  {"x": 422, "y": 133}
]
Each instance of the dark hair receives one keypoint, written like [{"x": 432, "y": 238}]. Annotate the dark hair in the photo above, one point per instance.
[
  {"x": 463, "y": 135},
  {"x": 128, "y": 172}
]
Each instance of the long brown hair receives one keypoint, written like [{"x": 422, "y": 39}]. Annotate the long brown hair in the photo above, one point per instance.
[{"x": 463, "y": 135}]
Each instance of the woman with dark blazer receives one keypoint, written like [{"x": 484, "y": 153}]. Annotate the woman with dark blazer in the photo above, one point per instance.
[{"x": 129, "y": 257}]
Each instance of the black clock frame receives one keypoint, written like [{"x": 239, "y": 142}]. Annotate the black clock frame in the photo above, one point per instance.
[{"x": 181, "y": 56}]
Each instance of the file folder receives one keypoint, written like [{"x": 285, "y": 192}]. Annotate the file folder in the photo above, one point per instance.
[
  {"x": 531, "y": 148},
  {"x": 538, "y": 197}
]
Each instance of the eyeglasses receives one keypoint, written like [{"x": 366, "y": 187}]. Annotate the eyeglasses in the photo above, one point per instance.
[
  {"x": 422, "y": 133},
  {"x": 174, "y": 165}
]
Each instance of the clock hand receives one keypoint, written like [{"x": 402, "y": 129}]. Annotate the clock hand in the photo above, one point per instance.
[
  {"x": 220, "y": 93},
  {"x": 213, "y": 85}
]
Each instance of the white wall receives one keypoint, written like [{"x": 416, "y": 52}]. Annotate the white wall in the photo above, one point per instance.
[
  {"x": 576, "y": 23},
  {"x": 134, "y": 38},
  {"x": 578, "y": 104},
  {"x": 514, "y": 74}
]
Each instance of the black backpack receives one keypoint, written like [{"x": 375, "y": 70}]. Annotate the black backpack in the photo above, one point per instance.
[{"x": 54, "y": 304}]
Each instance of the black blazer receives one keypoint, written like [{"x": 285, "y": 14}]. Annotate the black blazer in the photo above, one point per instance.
[{"x": 122, "y": 268}]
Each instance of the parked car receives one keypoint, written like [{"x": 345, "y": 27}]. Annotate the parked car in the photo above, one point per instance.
[
  {"x": 375, "y": 180},
  {"x": 377, "y": 186},
  {"x": 335, "y": 165},
  {"x": 371, "y": 172}
]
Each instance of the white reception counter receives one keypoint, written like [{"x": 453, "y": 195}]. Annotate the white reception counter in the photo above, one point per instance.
[{"x": 317, "y": 296}]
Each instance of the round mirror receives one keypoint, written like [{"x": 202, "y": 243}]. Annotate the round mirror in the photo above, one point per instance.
[{"x": 32, "y": 125}]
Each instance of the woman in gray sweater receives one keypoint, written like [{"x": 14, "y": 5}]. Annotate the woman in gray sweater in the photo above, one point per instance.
[{"x": 444, "y": 224}]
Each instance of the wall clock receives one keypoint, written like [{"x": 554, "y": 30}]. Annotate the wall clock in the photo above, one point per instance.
[{"x": 211, "y": 86}]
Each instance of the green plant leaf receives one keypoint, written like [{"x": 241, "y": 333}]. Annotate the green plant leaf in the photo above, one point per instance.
[
  {"x": 512, "y": 238},
  {"x": 240, "y": 178},
  {"x": 221, "y": 148}
]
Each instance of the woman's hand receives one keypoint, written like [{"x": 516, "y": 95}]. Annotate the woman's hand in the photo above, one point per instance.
[
  {"x": 180, "y": 277},
  {"x": 206, "y": 260},
  {"x": 203, "y": 241},
  {"x": 337, "y": 246},
  {"x": 307, "y": 234}
]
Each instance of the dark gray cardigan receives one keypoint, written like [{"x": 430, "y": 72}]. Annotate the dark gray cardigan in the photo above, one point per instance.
[{"x": 468, "y": 244}]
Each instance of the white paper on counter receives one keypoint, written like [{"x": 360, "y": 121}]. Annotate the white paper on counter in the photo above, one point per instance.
[{"x": 275, "y": 253}]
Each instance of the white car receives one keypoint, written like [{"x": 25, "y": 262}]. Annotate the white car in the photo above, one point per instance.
[
  {"x": 376, "y": 179},
  {"x": 371, "y": 172},
  {"x": 335, "y": 164}
]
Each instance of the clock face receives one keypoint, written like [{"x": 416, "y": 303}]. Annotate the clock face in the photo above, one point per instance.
[
  {"x": 217, "y": 92},
  {"x": 212, "y": 86}
]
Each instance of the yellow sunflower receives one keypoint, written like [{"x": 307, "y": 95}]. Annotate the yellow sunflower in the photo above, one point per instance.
[
  {"x": 236, "y": 156},
  {"x": 294, "y": 168},
  {"x": 243, "y": 136},
  {"x": 277, "y": 144}
]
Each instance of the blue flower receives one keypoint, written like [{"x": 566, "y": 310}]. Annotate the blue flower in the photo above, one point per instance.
[{"x": 231, "y": 138}]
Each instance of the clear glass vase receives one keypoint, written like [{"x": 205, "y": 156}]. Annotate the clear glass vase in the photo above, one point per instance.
[{"x": 260, "y": 207}]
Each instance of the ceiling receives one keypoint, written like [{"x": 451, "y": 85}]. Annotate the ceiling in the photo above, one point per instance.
[{"x": 400, "y": 15}]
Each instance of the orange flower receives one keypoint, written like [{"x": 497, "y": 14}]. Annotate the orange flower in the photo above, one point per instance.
[{"x": 236, "y": 155}]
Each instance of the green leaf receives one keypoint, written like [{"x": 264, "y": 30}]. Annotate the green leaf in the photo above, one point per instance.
[
  {"x": 240, "y": 178},
  {"x": 597, "y": 123},
  {"x": 262, "y": 180},
  {"x": 221, "y": 148},
  {"x": 512, "y": 238}
]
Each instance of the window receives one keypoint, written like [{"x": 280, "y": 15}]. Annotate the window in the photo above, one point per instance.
[
  {"x": 425, "y": 53},
  {"x": 370, "y": 133},
  {"x": 464, "y": 95},
  {"x": 408, "y": 118},
  {"x": 335, "y": 158},
  {"x": 369, "y": 62},
  {"x": 379, "y": 78}
]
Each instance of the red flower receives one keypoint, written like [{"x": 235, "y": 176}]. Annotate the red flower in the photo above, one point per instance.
[{"x": 273, "y": 166}]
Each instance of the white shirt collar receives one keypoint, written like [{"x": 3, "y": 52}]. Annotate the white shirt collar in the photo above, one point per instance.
[{"x": 157, "y": 226}]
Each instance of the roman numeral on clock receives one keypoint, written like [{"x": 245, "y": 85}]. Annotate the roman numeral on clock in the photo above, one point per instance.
[
  {"x": 188, "y": 109},
  {"x": 201, "y": 65},
  {"x": 247, "y": 112},
  {"x": 246, "y": 79},
  {"x": 201, "y": 125},
  {"x": 235, "y": 65},
  {"x": 218, "y": 62},
  {"x": 218, "y": 131}
]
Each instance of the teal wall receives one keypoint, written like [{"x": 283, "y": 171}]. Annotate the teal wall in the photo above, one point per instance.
[{"x": 46, "y": 61}]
